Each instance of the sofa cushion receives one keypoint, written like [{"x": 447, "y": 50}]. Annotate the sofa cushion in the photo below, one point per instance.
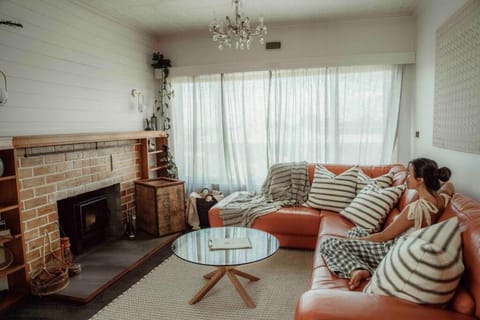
[
  {"x": 384, "y": 181},
  {"x": 290, "y": 220},
  {"x": 332, "y": 192},
  {"x": 372, "y": 205},
  {"x": 333, "y": 224},
  {"x": 424, "y": 267}
]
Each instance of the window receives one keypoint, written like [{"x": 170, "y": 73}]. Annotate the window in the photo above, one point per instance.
[{"x": 227, "y": 129}]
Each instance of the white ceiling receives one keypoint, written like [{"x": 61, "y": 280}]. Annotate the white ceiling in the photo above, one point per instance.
[{"x": 169, "y": 16}]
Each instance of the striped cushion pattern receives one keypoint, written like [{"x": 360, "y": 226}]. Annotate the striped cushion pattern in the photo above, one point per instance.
[
  {"x": 332, "y": 192},
  {"x": 424, "y": 267},
  {"x": 384, "y": 181},
  {"x": 372, "y": 205}
]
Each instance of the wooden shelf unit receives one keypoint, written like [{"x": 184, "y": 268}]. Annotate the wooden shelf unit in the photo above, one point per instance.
[
  {"x": 154, "y": 158},
  {"x": 10, "y": 211}
]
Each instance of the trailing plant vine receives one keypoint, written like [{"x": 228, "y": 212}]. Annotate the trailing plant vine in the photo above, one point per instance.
[
  {"x": 162, "y": 105},
  {"x": 166, "y": 92}
]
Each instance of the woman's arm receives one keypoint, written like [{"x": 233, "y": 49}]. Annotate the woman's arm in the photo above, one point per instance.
[
  {"x": 448, "y": 188},
  {"x": 399, "y": 226}
]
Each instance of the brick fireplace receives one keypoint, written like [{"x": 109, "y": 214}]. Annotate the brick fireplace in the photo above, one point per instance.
[{"x": 49, "y": 173}]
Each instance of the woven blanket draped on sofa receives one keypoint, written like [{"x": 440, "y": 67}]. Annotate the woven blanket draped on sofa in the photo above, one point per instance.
[{"x": 286, "y": 184}]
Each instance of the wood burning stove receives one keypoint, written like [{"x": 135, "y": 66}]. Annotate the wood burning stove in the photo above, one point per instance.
[{"x": 85, "y": 218}]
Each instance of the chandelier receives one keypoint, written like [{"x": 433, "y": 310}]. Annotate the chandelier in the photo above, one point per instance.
[{"x": 239, "y": 32}]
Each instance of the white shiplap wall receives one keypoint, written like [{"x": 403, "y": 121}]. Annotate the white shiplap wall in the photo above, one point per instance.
[{"x": 70, "y": 70}]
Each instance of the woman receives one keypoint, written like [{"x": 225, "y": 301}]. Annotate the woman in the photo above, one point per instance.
[{"x": 356, "y": 258}]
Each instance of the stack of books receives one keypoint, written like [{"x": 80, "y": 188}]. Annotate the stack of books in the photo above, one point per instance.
[{"x": 229, "y": 243}]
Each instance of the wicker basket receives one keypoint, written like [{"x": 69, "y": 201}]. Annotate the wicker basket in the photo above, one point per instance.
[{"x": 53, "y": 276}]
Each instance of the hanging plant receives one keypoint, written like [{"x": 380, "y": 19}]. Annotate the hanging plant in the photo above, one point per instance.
[
  {"x": 165, "y": 95},
  {"x": 166, "y": 92}
]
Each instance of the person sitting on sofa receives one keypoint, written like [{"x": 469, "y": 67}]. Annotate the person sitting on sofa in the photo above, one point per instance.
[{"x": 357, "y": 257}]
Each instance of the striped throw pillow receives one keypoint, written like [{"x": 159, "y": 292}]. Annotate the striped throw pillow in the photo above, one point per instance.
[
  {"x": 424, "y": 267},
  {"x": 332, "y": 192},
  {"x": 384, "y": 181},
  {"x": 372, "y": 205}
]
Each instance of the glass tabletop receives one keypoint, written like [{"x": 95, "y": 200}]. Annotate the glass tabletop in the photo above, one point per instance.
[{"x": 194, "y": 246}]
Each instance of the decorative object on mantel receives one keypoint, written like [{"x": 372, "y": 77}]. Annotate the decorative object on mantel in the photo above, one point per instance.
[
  {"x": 140, "y": 104},
  {"x": 166, "y": 92},
  {"x": 239, "y": 32},
  {"x": 457, "y": 78},
  {"x": 3, "y": 91},
  {"x": 147, "y": 127},
  {"x": 153, "y": 120}
]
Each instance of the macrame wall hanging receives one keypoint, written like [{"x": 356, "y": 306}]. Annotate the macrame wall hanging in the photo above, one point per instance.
[{"x": 456, "y": 118}]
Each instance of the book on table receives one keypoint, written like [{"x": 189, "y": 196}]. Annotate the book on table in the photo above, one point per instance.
[{"x": 229, "y": 243}]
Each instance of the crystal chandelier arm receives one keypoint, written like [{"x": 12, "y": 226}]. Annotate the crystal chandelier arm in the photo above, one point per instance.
[{"x": 240, "y": 32}]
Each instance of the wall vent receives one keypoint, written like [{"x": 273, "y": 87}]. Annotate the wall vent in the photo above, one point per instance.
[{"x": 273, "y": 45}]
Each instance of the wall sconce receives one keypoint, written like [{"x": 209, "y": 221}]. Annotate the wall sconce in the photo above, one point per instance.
[
  {"x": 3, "y": 91},
  {"x": 140, "y": 105}
]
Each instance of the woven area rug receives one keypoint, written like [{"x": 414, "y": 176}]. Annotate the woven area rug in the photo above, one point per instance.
[{"x": 164, "y": 293}]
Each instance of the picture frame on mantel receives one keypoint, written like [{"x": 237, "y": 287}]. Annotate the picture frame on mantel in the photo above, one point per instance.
[{"x": 456, "y": 114}]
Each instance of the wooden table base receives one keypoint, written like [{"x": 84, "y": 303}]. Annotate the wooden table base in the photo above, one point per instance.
[{"x": 214, "y": 276}]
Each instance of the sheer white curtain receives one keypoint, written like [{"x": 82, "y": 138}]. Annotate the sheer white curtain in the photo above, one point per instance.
[
  {"x": 219, "y": 130},
  {"x": 338, "y": 114},
  {"x": 228, "y": 129}
]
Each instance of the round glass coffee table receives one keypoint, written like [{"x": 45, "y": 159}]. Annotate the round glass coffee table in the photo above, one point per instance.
[{"x": 204, "y": 247}]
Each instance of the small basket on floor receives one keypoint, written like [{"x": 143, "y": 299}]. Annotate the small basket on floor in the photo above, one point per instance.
[
  {"x": 53, "y": 276},
  {"x": 205, "y": 203}
]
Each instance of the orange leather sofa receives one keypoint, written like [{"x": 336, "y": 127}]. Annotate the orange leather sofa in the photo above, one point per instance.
[
  {"x": 329, "y": 297},
  {"x": 298, "y": 227}
]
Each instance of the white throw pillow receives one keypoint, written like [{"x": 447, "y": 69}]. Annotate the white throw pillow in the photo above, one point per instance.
[
  {"x": 384, "y": 181},
  {"x": 424, "y": 267},
  {"x": 372, "y": 205},
  {"x": 332, "y": 192}
]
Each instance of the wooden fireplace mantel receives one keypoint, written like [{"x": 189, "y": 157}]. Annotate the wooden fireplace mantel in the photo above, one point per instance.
[{"x": 62, "y": 139}]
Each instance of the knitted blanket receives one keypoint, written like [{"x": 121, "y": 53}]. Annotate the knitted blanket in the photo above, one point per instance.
[{"x": 286, "y": 185}]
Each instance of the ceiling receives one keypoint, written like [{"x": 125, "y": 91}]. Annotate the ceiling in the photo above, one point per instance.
[{"x": 171, "y": 16}]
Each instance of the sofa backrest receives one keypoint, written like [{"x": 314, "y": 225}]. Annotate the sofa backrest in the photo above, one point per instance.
[
  {"x": 400, "y": 172},
  {"x": 399, "y": 177},
  {"x": 468, "y": 212}
]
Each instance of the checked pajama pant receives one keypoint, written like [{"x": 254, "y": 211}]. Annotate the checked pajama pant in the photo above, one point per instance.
[{"x": 345, "y": 255}]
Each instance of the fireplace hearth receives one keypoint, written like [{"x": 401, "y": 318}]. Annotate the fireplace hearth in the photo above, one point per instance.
[{"x": 91, "y": 218}]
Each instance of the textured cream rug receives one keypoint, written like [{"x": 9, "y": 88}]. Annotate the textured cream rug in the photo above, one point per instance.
[{"x": 164, "y": 293}]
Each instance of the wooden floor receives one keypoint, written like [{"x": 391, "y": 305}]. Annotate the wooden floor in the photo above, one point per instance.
[{"x": 57, "y": 307}]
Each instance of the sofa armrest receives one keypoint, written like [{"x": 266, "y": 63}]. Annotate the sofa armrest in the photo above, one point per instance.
[{"x": 329, "y": 304}]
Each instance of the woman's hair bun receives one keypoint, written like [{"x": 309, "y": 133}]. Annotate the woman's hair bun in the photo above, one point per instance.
[{"x": 443, "y": 174}]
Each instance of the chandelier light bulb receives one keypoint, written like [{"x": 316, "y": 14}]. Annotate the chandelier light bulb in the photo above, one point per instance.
[{"x": 240, "y": 31}]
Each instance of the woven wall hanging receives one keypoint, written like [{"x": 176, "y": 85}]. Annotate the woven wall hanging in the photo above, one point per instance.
[{"x": 456, "y": 114}]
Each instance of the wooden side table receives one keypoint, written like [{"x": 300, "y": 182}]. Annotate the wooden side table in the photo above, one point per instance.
[{"x": 160, "y": 205}]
